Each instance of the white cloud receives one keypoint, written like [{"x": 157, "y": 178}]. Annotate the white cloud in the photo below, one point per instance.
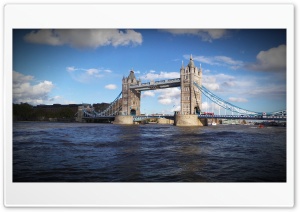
[
  {"x": 176, "y": 108},
  {"x": 19, "y": 78},
  {"x": 235, "y": 99},
  {"x": 165, "y": 101},
  {"x": 152, "y": 75},
  {"x": 210, "y": 83},
  {"x": 71, "y": 69},
  {"x": 205, "y": 106},
  {"x": 220, "y": 60},
  {"x": 148, "y": 93},
  {"x": 169, "y": 96},
  {"x": 212, "y": 86},
  {"x": 86, "y": 75},
  {"x": 228, "y": 60},
  {"x": 111, "y": 86},
  {"x": 93, "y": 72},
  {"x": 267, "y": 90},
  {"x": 25, "y": 91},
  {"x": 202, "y": 59},
  {"x": 273, "y": 59},
  {"x": 204, "y": 34},
  {"x": 84, "y": 38},
  {"x": 218, "y": 82}
]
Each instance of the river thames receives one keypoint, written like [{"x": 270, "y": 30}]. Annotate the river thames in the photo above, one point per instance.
[{"x": 93, "y": 152}]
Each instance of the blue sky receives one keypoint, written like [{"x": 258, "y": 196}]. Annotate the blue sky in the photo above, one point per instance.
[{"x": 246, "y": 67}]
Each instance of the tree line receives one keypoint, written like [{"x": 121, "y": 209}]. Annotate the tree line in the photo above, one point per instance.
[{"x": 27, "y": 112}]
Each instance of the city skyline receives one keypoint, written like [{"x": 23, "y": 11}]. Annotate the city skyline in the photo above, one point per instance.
[{"x": 246, "y": 67}]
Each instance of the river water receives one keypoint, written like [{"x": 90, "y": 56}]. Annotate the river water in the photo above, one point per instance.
[{"x": 92, "y": 152}]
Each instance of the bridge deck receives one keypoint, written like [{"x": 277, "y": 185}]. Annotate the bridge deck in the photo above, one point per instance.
[{"x": 170, "y": 83}]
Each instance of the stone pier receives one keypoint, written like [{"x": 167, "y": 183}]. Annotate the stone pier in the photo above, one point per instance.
[
  {"x": 189, "y": 120},
  {"x": 121, "y": 119},
  {"x": 165, "y": 121}
]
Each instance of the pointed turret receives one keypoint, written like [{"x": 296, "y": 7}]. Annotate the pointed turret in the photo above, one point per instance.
[
  {"x": 131, "y": 75},
  {"x": 131, "y": 78},
  {"x": 191, "y": 63},
  {"x": 182, "y": 67},
  {"x": 200, "y": 70}
]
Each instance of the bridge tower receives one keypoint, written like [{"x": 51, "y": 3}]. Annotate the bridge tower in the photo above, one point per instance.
[
  {"x": 130, "y": 97},
  {"x": 190, "y": 96}
]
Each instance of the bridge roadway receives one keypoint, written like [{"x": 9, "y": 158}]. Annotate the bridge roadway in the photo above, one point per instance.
[
  {"x": 139, "y": 118},
  {"x": 277, "y": 118},
  {"x": 170, "y": 83}
]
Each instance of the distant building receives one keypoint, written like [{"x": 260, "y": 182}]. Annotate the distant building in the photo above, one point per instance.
[
  {"x": 57, "y": 107},
  {"x": 98, "y": 107}
]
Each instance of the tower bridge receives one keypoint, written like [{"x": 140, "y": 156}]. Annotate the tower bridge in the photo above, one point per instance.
[{"x": 125, "y": 109}]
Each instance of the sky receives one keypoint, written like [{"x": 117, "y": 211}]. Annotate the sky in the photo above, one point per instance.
[{"x": 246, "y": 67}]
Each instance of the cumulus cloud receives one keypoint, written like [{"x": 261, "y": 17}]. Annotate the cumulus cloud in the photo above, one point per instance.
[
  {"x": 235, "y": 99},
  {"x": 152, "y": 75},
  {"x": 169, "y": 96},
  {"x": 84, "y": 38},
  {"x": 148, "y": 93},
  {"x": 273, "y": 59},
  {"x": 111, "y": 86},
  {"x": 205, "y": 34},
  {"x": 211, "y": 86},
  {"x": 210, "y": 82},
  {"x": 205, "y": 106},
  {"x": 219, "y": 82},
  {"x": 25, "y": 91}
]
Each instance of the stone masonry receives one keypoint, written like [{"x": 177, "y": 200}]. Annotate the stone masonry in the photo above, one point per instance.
[
  {"x": 130, "y": 97},
  {"x": 190, "y": 96}
]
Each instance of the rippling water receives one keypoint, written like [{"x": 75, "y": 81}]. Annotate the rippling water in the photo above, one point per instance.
[{"x": 87, "y": 152}]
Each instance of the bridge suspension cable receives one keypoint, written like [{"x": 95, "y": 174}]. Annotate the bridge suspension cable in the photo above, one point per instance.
[
  {"x": 223, "y": 103},
  {"x": 113, "y": 109}
]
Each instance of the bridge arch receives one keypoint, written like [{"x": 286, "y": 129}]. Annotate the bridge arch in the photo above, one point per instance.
[
  {"x": 197, "y": 110},
  {"x": 133, "y": 112}
]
